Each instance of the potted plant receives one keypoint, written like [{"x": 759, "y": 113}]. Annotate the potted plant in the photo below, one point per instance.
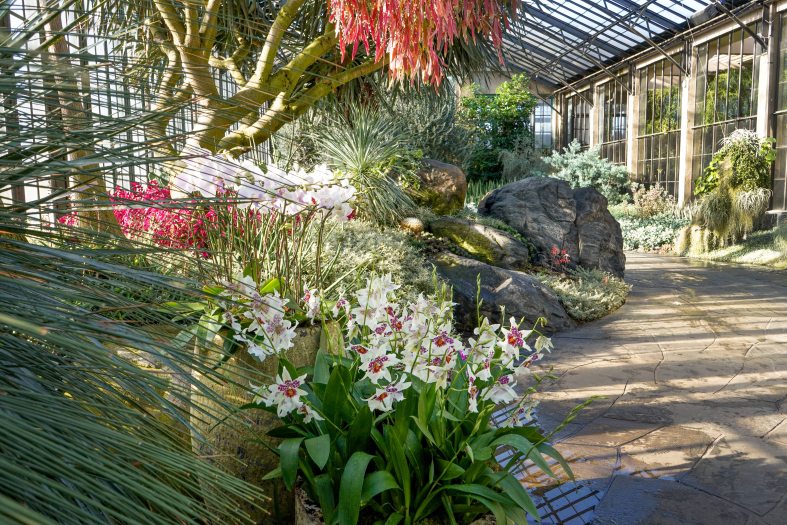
[{"x": 393, "y": 423}]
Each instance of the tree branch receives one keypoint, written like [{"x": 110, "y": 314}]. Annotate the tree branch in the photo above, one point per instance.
[
  {"x": 192, "y": 40},
  {"x": 209, "y": 26},
  {"x": 279, "y": 113},
  {"x": 284, "y": 19},
  {"x": 231, "y": 63},
  {"x": 171, "y": 20}
]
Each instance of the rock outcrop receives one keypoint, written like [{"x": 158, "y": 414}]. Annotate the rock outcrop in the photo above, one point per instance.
[
  {"x": 522, "y": 295},
  {"x": 549, "y": 213},
  {"x": 484, "y": 243},
  {"x": 443, "y": 187}
]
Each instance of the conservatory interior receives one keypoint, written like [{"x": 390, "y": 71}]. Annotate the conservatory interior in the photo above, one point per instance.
[{"x": 393, "y": 262}]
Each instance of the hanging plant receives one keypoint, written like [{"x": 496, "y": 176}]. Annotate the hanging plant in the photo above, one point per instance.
[{"x": 735, "y": 187}]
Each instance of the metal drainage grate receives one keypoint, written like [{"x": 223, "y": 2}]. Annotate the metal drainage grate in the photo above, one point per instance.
[{"x": 567, "y": 504}]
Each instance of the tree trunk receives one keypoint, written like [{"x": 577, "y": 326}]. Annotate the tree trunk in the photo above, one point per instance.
[{"x": 87, "y": 182}]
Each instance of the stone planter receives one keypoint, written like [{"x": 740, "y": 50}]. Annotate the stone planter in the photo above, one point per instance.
[
  {"x": 306, "y": 511},
  {"x": 230, "y": 445}
]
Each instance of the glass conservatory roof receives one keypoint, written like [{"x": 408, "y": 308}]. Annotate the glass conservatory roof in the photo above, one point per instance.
[{"x": 558, "y": 41}]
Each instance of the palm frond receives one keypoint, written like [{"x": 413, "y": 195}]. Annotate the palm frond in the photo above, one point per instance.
[{"x": 95, "y": 387}]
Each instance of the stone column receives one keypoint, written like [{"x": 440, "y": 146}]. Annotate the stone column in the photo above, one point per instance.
[
  {"x": 687, "y": 107},
  {"x": 768, "y": 81},
  {"x": 632, "y": 124},
  {"x": 596, "y": 114}
]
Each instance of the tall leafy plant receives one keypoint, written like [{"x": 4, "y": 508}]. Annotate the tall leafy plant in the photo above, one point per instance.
[
  {"x": 586, "y": 169},
  {"x": 498, "y": 122},
  {"x": 735, "y": 189}
]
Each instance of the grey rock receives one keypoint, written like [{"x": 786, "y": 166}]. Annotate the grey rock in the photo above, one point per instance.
[
  {"x": 484, "y": 243},
  {"x": 522, "y": 295},
  {"x": 443, "y": 187},
  {"x": 600, "y": 240},
  {"x": 549, "y": 213}
]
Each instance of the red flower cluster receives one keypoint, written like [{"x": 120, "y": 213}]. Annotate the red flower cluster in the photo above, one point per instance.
[
  {"x": 413, "y": 32},
  {"x": 152, "y": 211},
  {"x": 559, "y": 258}
]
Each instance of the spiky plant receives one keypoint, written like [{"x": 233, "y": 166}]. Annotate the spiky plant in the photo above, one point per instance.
[
  {"x": 365, "y": 145},
  {"x": 748, "y": 205},
  {"x": 95, "y": 388},
  {"x": 715, "y": 213}
]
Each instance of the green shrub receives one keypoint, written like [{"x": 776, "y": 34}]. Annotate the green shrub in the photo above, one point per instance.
[
  {"x": 498, "y": 122},
  {"x": 356, "y": 249},
  {"x": 520, "y": 162},
  {"x": 588, "y": 295},
  {"x": 648, "y": 233},
  {"x": 430, "y": 121},
  {"x": 735, "y": 187},
  {"x": 743, "y": 161},
  {"x": 585, "y": 168},
  {"x": 370, "y": 147}
]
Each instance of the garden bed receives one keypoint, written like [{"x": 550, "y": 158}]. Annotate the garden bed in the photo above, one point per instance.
[{"x": 760, "y": 248}]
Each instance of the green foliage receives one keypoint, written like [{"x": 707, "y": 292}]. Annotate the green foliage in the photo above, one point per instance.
[
  {"x": 431, "y": 124},
  {"x": 429, "y": 456},
  {"x": 521, "y": 161},
  {"x": 743, "y": 162},
  {"x": 370, "y": 147},
  {"x": 648, "y": 232},
  {"x": 89, "y": 434},
  {"x": 498, "y": 122},
  {"x": 588, "y": 294},
  {"x": 356, "y": 249},
  {"x": 735, "y": 187},
  {"x": 663, "y": 110},
  {"x": 585, "y": 168},
  {"x": 477, "y": 189}
]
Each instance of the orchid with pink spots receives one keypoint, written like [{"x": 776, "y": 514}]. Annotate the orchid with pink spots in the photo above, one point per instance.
[{"x": 399, "y": 381}]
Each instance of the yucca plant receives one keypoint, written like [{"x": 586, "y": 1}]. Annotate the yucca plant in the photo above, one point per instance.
[{"x": 366, "y": 144}]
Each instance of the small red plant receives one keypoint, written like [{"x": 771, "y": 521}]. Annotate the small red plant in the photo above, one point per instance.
[{"x": 559, "y": 258}]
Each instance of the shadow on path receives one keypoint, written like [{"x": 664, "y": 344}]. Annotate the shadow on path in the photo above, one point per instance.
[{"x": 692, "y": 425}]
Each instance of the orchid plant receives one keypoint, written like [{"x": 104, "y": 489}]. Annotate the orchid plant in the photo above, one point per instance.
[
  {"x": 395, "y": 419},
  {"x": 238, "y": 218}
]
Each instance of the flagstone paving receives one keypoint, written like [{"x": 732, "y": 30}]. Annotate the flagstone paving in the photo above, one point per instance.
[{"x": 691, "y": 423}]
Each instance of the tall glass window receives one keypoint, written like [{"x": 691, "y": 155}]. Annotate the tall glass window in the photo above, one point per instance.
[
  {"x": 578, "y": 119},
  {"x": 780, "y": 173},
  {"x": 727, "y": 73},
  {"x": 613, "y": 101},
  {"x": 658, "y": 132},
  {"x": 542, "y": 126}
]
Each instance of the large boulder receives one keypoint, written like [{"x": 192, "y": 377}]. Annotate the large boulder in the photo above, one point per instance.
[
  {"x": 443, "y": 187},
  {"x": 549, "y": 213},
  {"x": 484, "y": 243},
  {"x": 522, "y": 295},
  {"x": 600, "y": 240}
]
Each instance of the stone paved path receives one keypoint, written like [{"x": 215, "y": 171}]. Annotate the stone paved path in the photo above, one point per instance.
[{"x": 692, "y": 428}]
